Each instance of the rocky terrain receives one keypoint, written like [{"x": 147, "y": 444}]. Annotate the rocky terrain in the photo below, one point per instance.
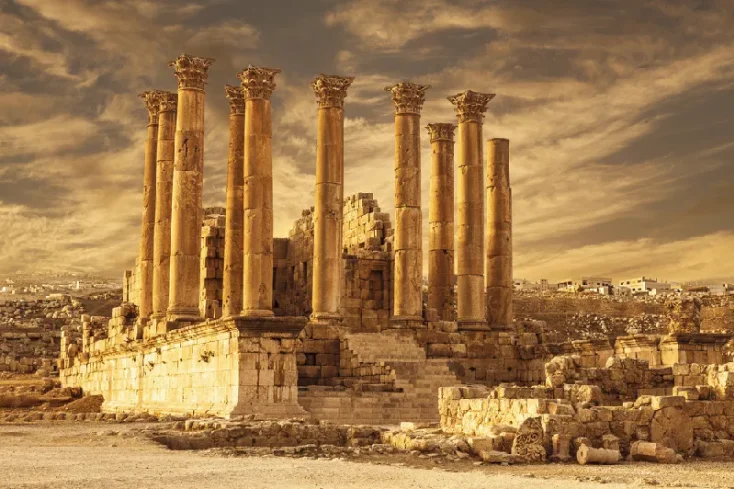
[{"x": 30, "y": 329}]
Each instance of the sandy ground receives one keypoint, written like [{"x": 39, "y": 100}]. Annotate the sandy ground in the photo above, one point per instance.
[{"x": 112, "y": 456}]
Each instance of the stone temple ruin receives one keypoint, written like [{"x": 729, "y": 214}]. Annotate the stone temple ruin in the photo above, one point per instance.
[{"x": 222, "y": 319}]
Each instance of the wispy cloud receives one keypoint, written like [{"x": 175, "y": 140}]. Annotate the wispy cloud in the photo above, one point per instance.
[{"x": 587, "y": 94}]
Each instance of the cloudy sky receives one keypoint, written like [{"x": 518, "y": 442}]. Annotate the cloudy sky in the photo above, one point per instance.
[{"x": 619, "y": 115}]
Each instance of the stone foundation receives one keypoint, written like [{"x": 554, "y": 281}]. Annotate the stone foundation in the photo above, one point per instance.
[{"x": 219, "y": 368}]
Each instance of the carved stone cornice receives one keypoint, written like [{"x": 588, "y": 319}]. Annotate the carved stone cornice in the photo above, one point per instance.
[
  {"x": 191, "y": 71},
  {"x": 258, "y": 82},
  {"x": 236, "y": 96},
  {"x": 408, "y": 97},
  {"x": 470, "y": 106},
  {"x": 151, "y": 99},
  {"x": 441, "y": 131},
  {"x": 331, "y": 90},
  {"x": 168, "y": 101}
]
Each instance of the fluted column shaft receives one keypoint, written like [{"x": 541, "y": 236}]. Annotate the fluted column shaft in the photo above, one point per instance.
[
  {"x": 163, "y": 198},
  {"x": 330, "y": 91},
  {"x": 233, "y": 237},
  {"x": 145, "y": 254},
  {"x": 499, "y": 235},
  {"x": 441, "y": 221},
  {"x": 188, "y": 180},
  {"x": 471, "y": 311},
  {"x": 257, "y": 292},
  {"x": 408, "y": 99}
]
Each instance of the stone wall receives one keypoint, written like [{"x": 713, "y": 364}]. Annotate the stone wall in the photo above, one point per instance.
[
  {"x": 686, "y": 426},
  {"x": 297, "y": 269},
  {"x": 25, "y": 350},
  {"x": 488, "y": 357},
  {"x": 367, "y": 265},
  {"x": 557, "y": 311},
  {"x": 130, "y": 286},
  {"x": 212, "y": 263},
  {"x": 318, "y": 355},
  {"x": 717, "y": 318},
  {"x": 220, "y": 368},
  {"x": 619, "y": 380}
]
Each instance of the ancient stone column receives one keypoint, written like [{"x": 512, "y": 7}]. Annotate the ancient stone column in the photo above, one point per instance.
[
  {"x": 145, "y": 254},
  {"x": 233, "y": 238},
  {"x": 441, "y": 220},
  {"x": 257, "y": 293},
  {"x": 471, "y": 313},
  {"x": 330, "y": 92},
  {"x": 188, "y": 180},
  {"x": 498, "y": 272},
  {"x": 163, "y": 196},
  {"x": 408, "y": 268}
]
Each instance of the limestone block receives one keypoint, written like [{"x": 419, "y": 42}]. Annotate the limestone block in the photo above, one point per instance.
[
  {"x": 672, "y": 427},
  {"x": 653, "y": 452}
]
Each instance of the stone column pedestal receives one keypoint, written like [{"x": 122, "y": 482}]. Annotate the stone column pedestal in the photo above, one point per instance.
[
  {"x": 330, "y": 92},
  {"x": 188, "y": 180},
  {"x": 163, "y": 200},
  {"x": 498, "y": 271},
  {"x": 471, "y": 311},
  {"x": 147, "y": 233},
  {"x": 441, "y": 221},
  {"x": 408, "y": 267},
  {"x": 233, "y": 237},
  {"x": 267, "y": 381},
  {"x": 257, "y": 294}
]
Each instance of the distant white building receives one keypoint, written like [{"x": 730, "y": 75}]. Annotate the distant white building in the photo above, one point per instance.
[
  {"x": 542, "y": 286},
  {"x": 647, "y": 285},
  {"x": 585, "y": 283}
]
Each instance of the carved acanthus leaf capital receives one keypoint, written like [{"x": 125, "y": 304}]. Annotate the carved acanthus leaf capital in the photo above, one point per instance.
[
  {"x": 258, "y": 82},
  {"x": 168, "y": 101},
  {"x": 470, "y": 106},
  {"x": 236, "y": 96},
  {"x": 441, "y": 131},
  {"x": 191, "y": 71},
  {"x": 331, "y": 90},
  {"x": 151, "y": 99},
  {"x": 408, "y": 97}
]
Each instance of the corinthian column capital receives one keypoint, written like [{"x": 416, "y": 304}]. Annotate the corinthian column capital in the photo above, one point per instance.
[
  {"x": 408, "y": 97},
  {"x": 168, "y": 101},
  {"x": 441, "y": 131},
  {"x": 470, "y": 106},
  {"x": 331, "y": 90},
  {"x": 151, "y": 99},
  {"x": 258, "y": 82},
  {"x": 236, "y": 96},
  {"x": 191, "y": 71}
]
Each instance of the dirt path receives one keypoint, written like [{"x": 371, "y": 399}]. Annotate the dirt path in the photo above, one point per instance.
[{"x": 89, "y": 455}]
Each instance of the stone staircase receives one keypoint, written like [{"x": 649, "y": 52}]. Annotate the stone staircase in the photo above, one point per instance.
[{"x": 408, "y": 390}]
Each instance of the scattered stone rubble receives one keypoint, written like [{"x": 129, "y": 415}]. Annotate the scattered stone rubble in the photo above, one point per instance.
[{"x": 30, "y": 333}]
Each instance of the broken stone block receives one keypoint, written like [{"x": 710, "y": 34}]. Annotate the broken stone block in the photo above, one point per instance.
[
  {"x": 653, "y": 452},
  {"x": 528, "y": 442}
]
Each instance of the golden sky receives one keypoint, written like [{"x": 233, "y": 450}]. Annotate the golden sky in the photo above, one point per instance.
[{"x": 619, "y": 115}]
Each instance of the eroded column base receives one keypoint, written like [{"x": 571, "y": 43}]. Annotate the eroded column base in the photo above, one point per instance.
[
  {"x": 326, "y": 318},
  {"x": 185, "y": 315},
  {"x": 501, "y": 327},
  {"x": 256, "y": 313},
  {"x": 406, "y": 322},
  {"x": 472, "y": 325}
]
